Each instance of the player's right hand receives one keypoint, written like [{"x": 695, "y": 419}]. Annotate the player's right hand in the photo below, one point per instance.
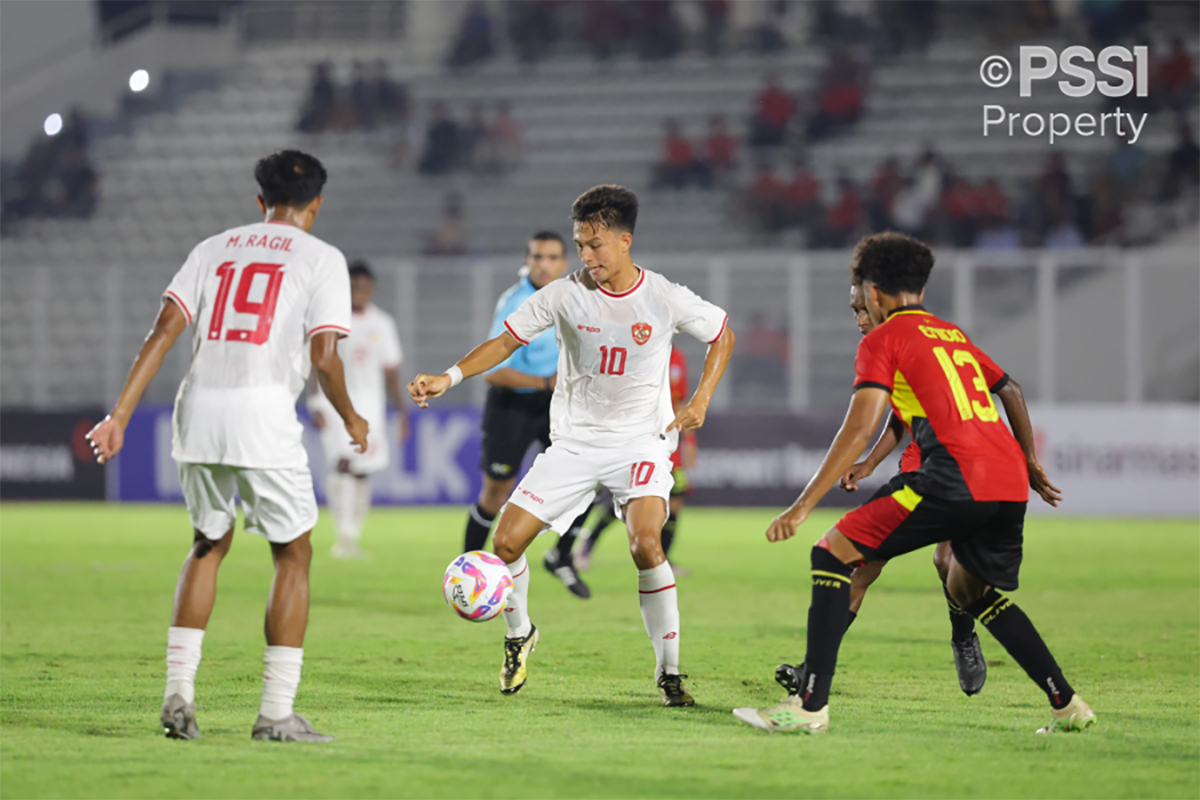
[
  {"x": 850, "y": 480},
  {"x": 357, "y": 427},
  {"x": 424, "y": 388},
  {"x": 106, "y": 439}
]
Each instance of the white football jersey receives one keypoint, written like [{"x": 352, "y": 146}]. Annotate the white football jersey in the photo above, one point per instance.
[
  {"x": 255, "y": 295},
  {"x": 614, "y": 353}
]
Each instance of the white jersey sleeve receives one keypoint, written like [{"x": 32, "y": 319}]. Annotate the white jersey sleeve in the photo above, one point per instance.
[
  {"x": 536, "y": 315},
  {"x": 329, "y": 303},
  {"x": 694, "y": 315},
  {"x": 184, "y": 289}
]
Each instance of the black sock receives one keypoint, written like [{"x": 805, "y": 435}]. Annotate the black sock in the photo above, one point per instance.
[
  {"x": 853, "y": 616},
  {"x": 479, "y": 524},
  {"x": 1013, "y": 629},
  {"x": 828, "y": 617},
  {"x": 962, "y": 624},
  {"x": 668, "y": 532}
]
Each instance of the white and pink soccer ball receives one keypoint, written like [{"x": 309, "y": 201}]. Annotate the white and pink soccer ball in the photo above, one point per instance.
[{"x": 477, "y": 586}]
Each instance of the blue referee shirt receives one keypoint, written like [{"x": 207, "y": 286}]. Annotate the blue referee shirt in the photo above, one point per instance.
[{"x": 539, "y": 357}]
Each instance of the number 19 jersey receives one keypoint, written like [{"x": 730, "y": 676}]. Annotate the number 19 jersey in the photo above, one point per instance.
[
  {"x": 941, "y": 387},
  {"x": 255, "y": 295},
  {"x": 614, "y": 352}
]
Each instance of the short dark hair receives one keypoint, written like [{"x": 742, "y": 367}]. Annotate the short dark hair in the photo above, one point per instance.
[
  {"x": 892, "y": 261},
  {"x": 290, "y": 178},
  {"x": 547, "y": 236},
  {"x": 609, "y": 205},
  {"x": 360, "y": 269}
]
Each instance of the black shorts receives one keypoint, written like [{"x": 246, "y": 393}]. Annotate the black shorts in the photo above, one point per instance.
[
  {"x": 512, "y": 421},
  {"x": 986, "y": 537}
]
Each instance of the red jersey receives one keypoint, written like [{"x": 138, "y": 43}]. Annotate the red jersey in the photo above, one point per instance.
[
  {"x": 941, "y": 387},
  {"x": 679, "y": 388}
]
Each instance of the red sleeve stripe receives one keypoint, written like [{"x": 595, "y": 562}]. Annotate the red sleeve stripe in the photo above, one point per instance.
[
  {"x": 320, "y": 328},
  {"x": 656, "y": 591},
  {"x": 721, "y": 332},
  {"x": 514, "y": 333},
  {"x": 182, "y": 305}
]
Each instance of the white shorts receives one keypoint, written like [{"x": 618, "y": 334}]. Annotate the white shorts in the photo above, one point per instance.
[
  {"x": 562, "y": 482},
  {"x": 279, "y": 504},
  {"x": 337, "y": 446}
]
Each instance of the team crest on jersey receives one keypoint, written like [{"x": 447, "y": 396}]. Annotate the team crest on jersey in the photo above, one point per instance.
[{"x": 641, "y": 332}]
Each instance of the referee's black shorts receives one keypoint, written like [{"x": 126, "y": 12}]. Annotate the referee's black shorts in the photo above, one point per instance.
[
  {"x": 512, "y": 421},
  {"x": 987, "y": 537}
]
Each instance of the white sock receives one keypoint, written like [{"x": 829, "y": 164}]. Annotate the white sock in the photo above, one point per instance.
[
  {"x": 362, "y": 504},
  {"x": 343, "y": 505},
  {"x": 516, "y": 615},
  {"x": 281, "y": 678},
  {"x": 183, "y": 659},
  {"x": 659, "y": 601}
]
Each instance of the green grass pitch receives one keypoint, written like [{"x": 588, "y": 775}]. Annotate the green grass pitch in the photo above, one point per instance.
[{"x": 411, "y": 691}]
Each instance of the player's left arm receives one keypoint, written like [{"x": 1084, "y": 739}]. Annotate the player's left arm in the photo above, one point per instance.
[
  {"x": 691, "y": 416},
  {"x": 108, "y": 437},
  {"x": 396, "y": 393},
  {"x": 1013, "y": 398},
  {"x": 862, "y": 420}
]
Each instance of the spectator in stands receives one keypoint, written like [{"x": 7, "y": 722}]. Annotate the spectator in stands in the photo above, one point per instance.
[
  {"x": 506, "y": 136},
  {"x": 842, "y": 218},
  {"x": 1183, "y": 165},
  {"x": 364, "y": 99},
  {"x": 884, "y": 187},
  {"x": 1108, "y": 21},
  {"x": 720, "y": 150},
  {"x": 767, "y": 36},
  {"x": 716, "y": 19},
  {"x": 958, "y": 207},
  {"x": 318, "y": 112},
  {"x": 762, "y": 201},
  {"x": 55, "y": 179},
  {"x": 474, "y": 41},
  {"x": 1104, "y": 217},
  {"x": 533, "y": 28},
  {"x": 1054, "y": 196},
  {"x": 391, "y": 97},
  {"x": 774, "y": 109},
  {"x": 605, "y": 25},
  {"x": 76, "y": 197},
  {"x": 677, "y": 166},
  {"x": 449, "y": 239},
  {"x": 656, "y": 31},
  {"x": 1127, "y": 163},
  {"x": 475, "y": 141},
  {"x": 906, "y": 25},
  {"x": 443, "y": 143},
  {"x": 801, "y": 197},
  {"x": 918, "y": 195},
  {"x": 1174, "y": 79},
  {"x": 991, "y": 205},
  {"x": 839, "y": 98}
]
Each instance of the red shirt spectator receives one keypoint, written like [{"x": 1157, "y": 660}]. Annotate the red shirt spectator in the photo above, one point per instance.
[
  {"x": 959, "y": 199},
  {"x": 841, "y": 102},
  {"x": 775, "y": 106},
  {"x": 803, "y": 191},
  {"x": 844, "y": 214},
  {"x": 765, "y": 186},
  {"x": 677, "y": 151},
  {"x": 1175, "y": 72},
  {"x": 990, "y": 203},
  {"x": 886, "y": 183}
]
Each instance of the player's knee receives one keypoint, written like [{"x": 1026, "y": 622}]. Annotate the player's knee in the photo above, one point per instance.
[
  {"x": 202, "y": 546},
  {"x": 941, "y": 562},
  {"x": 296, "y": 553},
  {"x": 646, "y": 549},
  {"x": 963, "y": 589}
]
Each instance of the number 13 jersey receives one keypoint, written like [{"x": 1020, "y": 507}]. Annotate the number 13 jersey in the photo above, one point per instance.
[
  {"x": 614, "y": 352},
  {"x": 941, "y": 386},
  {"x": 255, "y": 295}
]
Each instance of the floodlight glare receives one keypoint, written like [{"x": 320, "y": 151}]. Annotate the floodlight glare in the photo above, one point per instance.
[
  {"x": 139, "y": 80},
  {"x": 52, "y": 125}
]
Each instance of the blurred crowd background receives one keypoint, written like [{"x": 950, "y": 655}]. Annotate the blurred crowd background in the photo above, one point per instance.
[{"x": 762, "y": 137}]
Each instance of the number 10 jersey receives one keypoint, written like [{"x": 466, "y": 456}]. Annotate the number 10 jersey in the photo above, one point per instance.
[
  {"x": 614, "y": 352},
  {"x": 255, "y": 295}
]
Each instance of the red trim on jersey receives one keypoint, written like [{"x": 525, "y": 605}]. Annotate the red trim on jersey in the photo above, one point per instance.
[
  {"x": 514, "y": 333},
  {"x": 721, "y": 332},
  {"x": 182, "y": 305},
  {"x": 320, "y": 328},
  {"x": 522, "y": 572},
  {"x": 628, "y": 291},
  {"x": 656, "y": 591}
]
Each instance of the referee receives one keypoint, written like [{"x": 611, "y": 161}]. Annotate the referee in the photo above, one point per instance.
[{"x": 517, "y": 413}]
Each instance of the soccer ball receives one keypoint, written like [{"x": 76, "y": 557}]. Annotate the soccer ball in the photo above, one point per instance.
[{"x": 477, "y": 585}]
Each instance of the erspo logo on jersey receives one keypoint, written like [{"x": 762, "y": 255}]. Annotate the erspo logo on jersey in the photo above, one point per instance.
[{"x": 641, "y": 332}]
